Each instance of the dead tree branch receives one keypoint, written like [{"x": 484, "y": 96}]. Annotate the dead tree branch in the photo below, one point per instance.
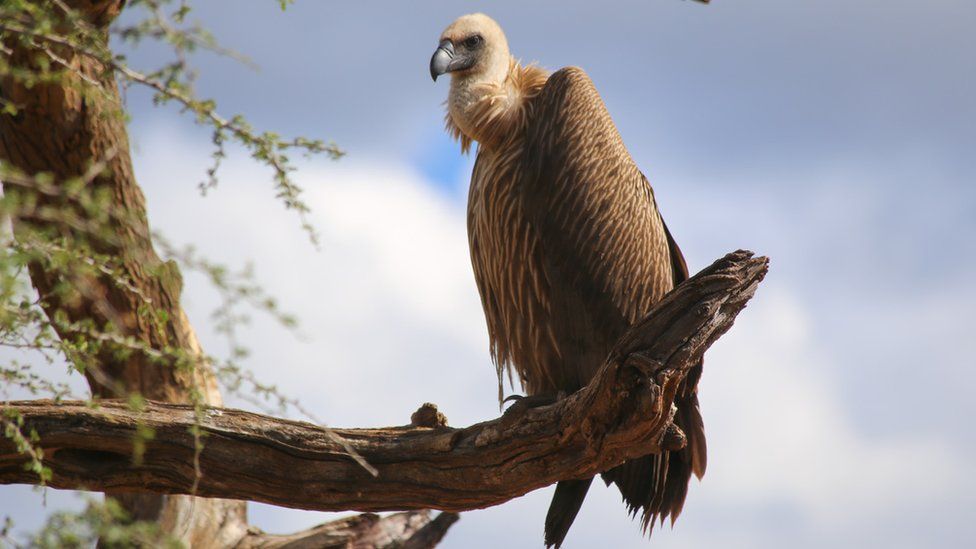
[
  {"x": 624, "y": 413},
  {"x": 407, "y": 530}
]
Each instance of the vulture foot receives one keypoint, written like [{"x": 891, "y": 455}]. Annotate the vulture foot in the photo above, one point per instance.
[{"x": 523, "y": 403}]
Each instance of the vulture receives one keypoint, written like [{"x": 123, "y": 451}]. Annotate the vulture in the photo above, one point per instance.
[{"x": 567, "y": 244}]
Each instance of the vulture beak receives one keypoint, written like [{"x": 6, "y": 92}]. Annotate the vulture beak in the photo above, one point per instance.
[
  {"x": 445, "y": 59},
  {"x": 440, "y": 62}
]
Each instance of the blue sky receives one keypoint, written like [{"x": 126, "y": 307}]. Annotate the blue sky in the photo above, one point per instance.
[{"x": 837, "y": 137}]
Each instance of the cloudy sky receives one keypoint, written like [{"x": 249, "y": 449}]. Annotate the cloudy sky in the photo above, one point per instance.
[{"x": 837, "y": 137}]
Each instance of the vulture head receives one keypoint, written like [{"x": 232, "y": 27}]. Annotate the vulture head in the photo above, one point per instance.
[
  {"x": 488, "y": 87},
  {"x": 472, "y": 48}
]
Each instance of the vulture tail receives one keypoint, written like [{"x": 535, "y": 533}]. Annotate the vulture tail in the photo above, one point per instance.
[
  {"x": 656, "y": 484},
  {"x": 566, "y": 503}
]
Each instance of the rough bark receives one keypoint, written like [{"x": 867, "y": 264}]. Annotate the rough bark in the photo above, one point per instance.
[{"x": 624, "y": 413}]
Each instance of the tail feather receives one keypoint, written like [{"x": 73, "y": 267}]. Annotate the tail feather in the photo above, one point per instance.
[
  {"x": 566, "y": 503},
  {"x": 690, "y": 421},
  {"x": 657, "y": 484}
]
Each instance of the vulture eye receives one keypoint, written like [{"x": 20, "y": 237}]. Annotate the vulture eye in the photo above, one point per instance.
[{"x": 473, "y": 41}]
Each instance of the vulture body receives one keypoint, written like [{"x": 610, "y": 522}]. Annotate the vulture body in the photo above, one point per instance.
[{"x": 567, "y": 245}]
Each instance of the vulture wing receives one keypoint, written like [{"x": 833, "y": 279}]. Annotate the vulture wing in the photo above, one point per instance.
[{"x": 608, "y": 257}]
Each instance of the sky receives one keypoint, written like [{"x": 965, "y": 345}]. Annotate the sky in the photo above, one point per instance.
[{"x": 836, "y": 137}]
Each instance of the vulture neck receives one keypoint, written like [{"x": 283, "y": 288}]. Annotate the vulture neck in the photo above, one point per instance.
[{"x": 492, "y": 110}]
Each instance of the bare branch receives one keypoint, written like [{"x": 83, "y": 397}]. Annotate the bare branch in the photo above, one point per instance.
[
  {"x": 624, "y": 413},
  {"x": 407, "y": 530}
]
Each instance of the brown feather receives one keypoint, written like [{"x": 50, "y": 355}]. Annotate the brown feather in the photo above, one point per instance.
[{"x": 569, "y": 250}]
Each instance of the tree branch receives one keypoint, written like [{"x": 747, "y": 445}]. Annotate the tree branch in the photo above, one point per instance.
[
  {"x": 624, "y": 413},
  {"x": 408, "y": 530}
]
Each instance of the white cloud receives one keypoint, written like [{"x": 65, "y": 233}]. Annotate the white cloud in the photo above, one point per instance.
[{"x": 780, "y": 432}]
